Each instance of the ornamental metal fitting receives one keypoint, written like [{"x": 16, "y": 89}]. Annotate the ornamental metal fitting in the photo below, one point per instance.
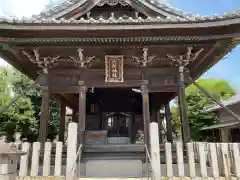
[
  {"x": 185, "y": 59},
  {"x": 112, "y": 2},
  {"x": 145, "y": 60},
  {"x": 43, "y": 63},
  {"x": 80, "y": 61}
]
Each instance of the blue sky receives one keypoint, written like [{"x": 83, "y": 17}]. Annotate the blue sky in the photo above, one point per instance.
[{"x": 227, "y": 68}]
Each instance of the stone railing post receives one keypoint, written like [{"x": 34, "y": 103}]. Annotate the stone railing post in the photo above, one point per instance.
[
  {"x": 155, "y": 150},
  {"x": 71, "y": 150}
]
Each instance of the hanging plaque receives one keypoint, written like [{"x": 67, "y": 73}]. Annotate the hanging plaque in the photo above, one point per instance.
[{"x": 113, "y": 68}]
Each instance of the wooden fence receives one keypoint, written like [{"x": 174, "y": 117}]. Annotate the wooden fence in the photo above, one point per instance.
[
  {"x": 195, "y": 159},
  {"x": 47, "y": 161},
  {"x": 198, "y": 160}
]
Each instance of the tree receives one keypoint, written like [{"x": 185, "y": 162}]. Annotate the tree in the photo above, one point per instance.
[
  {"x": 23, "y": 85},
  {"x": 20, "y": 115},
  {"x": 197, "y": 103},
  {"x": 23, "y": 115}
]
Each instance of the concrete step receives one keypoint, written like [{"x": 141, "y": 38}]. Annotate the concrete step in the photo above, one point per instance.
[
  {"x": 113, "y": 179},
  {"x": 114, "y": 168}
]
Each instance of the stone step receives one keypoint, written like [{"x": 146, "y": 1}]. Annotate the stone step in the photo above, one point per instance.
[
  {"x": 114, "y": 152},
  {"x": 113, "y": 156},
  {"x": 114, "y": 148}
]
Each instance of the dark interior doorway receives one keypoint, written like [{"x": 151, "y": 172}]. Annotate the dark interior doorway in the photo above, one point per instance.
[{"x": 118, "y": 125}]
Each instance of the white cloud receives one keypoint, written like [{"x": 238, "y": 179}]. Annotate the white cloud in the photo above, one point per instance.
[
  {"x": 2, "y": 13},
  {"x": 20, "y": 8},
  {"x": 3, "y": 62}
]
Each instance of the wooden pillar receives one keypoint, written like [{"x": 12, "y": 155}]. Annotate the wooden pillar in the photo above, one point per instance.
[
  {"x": 74, "y": 116},
  {"x": 225, "y": 133},
  {"x": 129, "y": 121},
  {"x": 156, "y": 117},
  {"x": 82, "y": 114},
  {"x": 44, "y": 116},
  {"x": 160, "y": 127},
  {"x": 62, "y": 122},
  {"x": 146, "y": 113},
  {"x": 134, "y": 129},
  {"x": 168, "y": 116},
  {"x": 183, "y": 108},
  {"x": 100, "y": 117},
  {"x": 154, "y": 108}
]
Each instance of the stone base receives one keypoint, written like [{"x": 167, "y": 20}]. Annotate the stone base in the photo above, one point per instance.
[
  {"x": 114, "y": 169},
  {"x": 118, "y": 140},
  {"x": 95, "y": 137}
]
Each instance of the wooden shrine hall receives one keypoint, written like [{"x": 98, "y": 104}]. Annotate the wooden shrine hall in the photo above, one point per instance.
[{"x": 116, "y": 63}]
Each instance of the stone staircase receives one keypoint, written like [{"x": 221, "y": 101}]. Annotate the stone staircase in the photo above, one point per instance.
[
  {"x": 114, "y": 157},
  {"x": 113, "y": 152}
]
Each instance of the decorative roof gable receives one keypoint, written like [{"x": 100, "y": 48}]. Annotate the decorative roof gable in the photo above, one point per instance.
[{"x": 151, "y": 8}]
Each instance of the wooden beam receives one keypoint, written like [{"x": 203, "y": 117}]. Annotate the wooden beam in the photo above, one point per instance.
[
  {"x": 97, "y": 46},
  {"x": 76, "y": 89},
  {"x": 61, "y": 98},
  {"x": 127, "y": 71},
  {"x": 67, "y": 90},
  {"x": 200, "y": 61},
  {"x": 71, "y": 98},
  {"x": 126, "y": 83},
  {"x": 164, "y": 88},
  {"x": 64, "y": 89}
]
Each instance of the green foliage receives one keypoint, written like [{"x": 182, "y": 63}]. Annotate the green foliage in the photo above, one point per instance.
[
  {"x": 20, "y": 115},
  {"x": 197, "y": 103},
  {"x": 23, "y": 116}
]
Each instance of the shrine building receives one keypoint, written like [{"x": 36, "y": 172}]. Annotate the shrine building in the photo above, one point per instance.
[{"x": 116, "y": 63}]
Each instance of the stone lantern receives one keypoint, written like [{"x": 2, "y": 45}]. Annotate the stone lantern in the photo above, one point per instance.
[{"x": 9, "y": 156}]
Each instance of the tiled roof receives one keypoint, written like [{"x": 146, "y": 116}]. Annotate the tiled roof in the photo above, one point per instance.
[
  {"x": 223, "y": 124},
  {"x": 234, "y": 100},
  {"x": 120, "y": 20}
]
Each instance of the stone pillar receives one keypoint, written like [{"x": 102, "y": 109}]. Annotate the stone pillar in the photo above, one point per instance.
[
  {"x": 44, "y": 116},
  {"x": 168, "y": 116},
  {"x": 183, "y": 108},
  {"x": 146, "y": 113},
  {"x": 62, "y": 122},
  {"x": 82, "y": 114},
  {"x": 155, "y": 151},
  {"x": 71, "y": 150}
]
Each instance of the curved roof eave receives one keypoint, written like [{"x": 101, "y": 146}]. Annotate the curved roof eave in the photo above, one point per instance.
[{"x": 113, "y": 24}]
